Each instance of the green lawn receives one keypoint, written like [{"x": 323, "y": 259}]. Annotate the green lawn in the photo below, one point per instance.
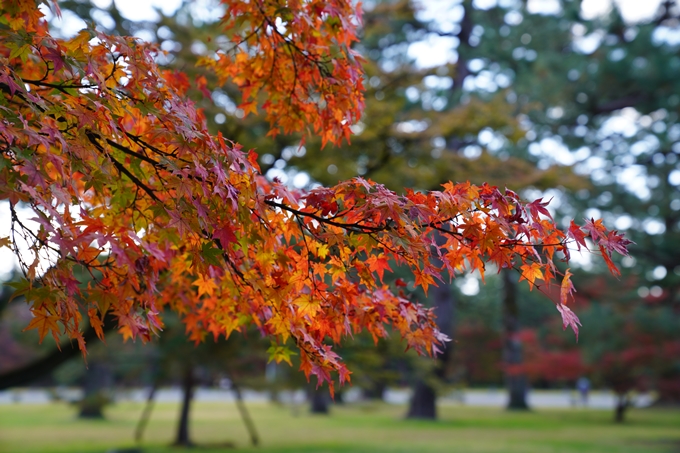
[{"x": 373, "y": 428}]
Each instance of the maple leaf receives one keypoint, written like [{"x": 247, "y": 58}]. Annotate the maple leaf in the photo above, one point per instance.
[
  {"x": 44, "y": 323},
  {"x": 225, "y": 235},
  {"x": 610, "y": 264},
  {"x": 569, "y": 318},
  {"x": 279, "y": 354},
  {"x": 78, "y": 336},
  {"x": 379, "y": 264},
  {"x": 54, "y": 55},
  {"x": 306, "y": 306},
  {"x": 424, "y": 280},
  {"x": 596, "y": 229},
  {"x": 537, "y": 207},
  {"x": 567, "y": 288},
  {"x": 530, "y": 272},
  {"x": 88, "y": 254},
  {"x": 252, "y": 159},
  {"x": 616, "y": 242},
  {"x": 577, "y": 234},
  {"x": 344, "y": 374},
  {"x": 96, "y": 323},
  {"x": 206, "y": 285},
  {"x": 322, "y": 251}
]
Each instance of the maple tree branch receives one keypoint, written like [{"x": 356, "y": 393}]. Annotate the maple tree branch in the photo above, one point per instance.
[
  {"x": 121, "y": 168},
  {"x": 291, "y": 44},
  {"x": 50, "y": 362},
  {"x": 387, "y": 246},
  {"x": 19, "y": 94},
  {"x": 130, "y": 152},
  {"x": 135, "y": 180},
  {"x": 22, "y": 264},
  {"x": 225, "y": 256},
  {"x": 244, "y": 39},
  {"x": 64, "y": 87},
  {"x": 137, "y": 139},
  {"x": 363, "y": 228},
  {"x": 29, "y": 232},
  {"x": 355, "y": 227},
  {"x": 47, "y": 64},
  {"x": 156, "y": 165},
  {"x": 514, "y": 243},
  {"x": 434, "y": 226},
  {"x": 309, "y": 252},
  {"x": 89, "y": 266},
  {"x": 60, "y": 87}
]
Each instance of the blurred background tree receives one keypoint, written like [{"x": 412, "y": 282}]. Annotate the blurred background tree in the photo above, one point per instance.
[{"x": 599, "y": 93}]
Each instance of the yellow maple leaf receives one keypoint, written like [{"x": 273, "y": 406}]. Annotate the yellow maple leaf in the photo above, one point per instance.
[
  {"x": 280, "y": 326},
  {"x": 322, "y": 251},
  {"x": 306, "y": 305}
]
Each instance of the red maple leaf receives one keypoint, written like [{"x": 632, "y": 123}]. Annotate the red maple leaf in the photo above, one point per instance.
[
  {"x": 616, "y": 242},
  {"x": 596, "y": 229},
  {"x": 569, "y": 318},
  {"x": 578, "y": 235},
  {"x": 537, "y": 207}
]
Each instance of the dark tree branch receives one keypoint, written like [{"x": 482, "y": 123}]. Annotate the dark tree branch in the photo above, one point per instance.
[
  {"x": 618, "y": 104},
  {"x": 47, "y": 364}
]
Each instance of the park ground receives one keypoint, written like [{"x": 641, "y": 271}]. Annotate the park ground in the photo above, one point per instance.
[{"x": 356, "y": 428}]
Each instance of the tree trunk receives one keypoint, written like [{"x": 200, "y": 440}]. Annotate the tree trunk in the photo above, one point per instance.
[
  {"x": 423, "y": 403},
  {"x": 512, "y": 347},
  {"x": 622, "y": 404},
  {"x": 97, "y": 380},
  {"x": 320, "y": 400},
  {"x": 245, "y": 415},
  {"x": 188, "y": 384},
  {"x": 375, "y": 391},
  {"x": 146, "y": 414}
]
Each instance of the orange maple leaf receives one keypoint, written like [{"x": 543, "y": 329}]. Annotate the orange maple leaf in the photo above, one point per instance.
[
  {"x": 423, "y": 280},
  {"x": 610, "y": 264},
  {"x": 96, "y": 323},
  {"x": 45, "y": 323},
  {"x": 567, "y": 288},
  {"x": 206, "y": 285},
  {"x": 379, "y": 264},
  {"x": 530, "y": 272}
]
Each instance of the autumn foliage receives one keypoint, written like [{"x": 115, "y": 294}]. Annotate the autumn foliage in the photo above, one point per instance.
[{"x": 128, "y": 187}]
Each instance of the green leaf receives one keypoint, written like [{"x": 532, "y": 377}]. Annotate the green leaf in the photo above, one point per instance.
[
  {"x": 21, "y": 287},
  {"x": 280, "y": 353},
  {"x": 210, "y": 254}
]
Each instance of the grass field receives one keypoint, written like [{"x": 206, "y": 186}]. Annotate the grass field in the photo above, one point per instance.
[{"x": 374, "y": 428}]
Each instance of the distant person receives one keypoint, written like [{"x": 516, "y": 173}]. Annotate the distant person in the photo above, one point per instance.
[{"x": 583, "y": 386}]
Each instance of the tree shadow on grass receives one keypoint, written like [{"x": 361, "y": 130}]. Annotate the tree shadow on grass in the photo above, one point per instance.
[{"x": 202, "y": 447}]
